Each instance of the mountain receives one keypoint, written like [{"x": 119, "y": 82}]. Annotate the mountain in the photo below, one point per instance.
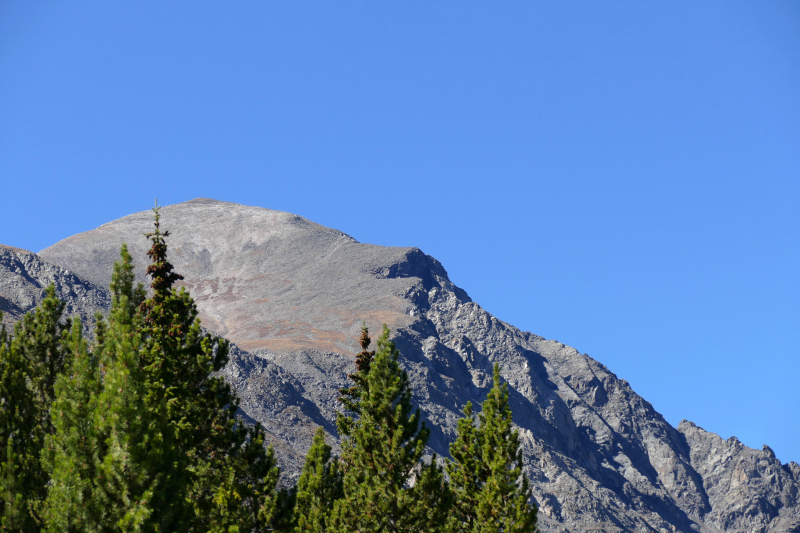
[
  {"x": 24, "y": 276},
  {"x": 292, "y": 294}
]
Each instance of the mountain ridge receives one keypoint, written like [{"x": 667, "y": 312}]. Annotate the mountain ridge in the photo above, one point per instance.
[
  {"x": 24, "y": 277},
  {"x": 291, "y": 295}
]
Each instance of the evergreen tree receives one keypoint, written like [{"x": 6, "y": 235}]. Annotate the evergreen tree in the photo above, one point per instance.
[
  {"x": 283, "y": 517},
  {"x": 381, "y": 452},
  {"x": 229, "y": 477},
  {"x": 157, "y": 446},
  {"x": 21, "y": 480},
  {"x": 349, "y": 397},
  {"x": 319, "y": 486},
  {"x": 135, "y": 438},
  {"x": 30, "y": 361},
  {"x": 71, "y": 452},
  {"x": 491, "y": 491},
  {"x": 40, "y": 339}
]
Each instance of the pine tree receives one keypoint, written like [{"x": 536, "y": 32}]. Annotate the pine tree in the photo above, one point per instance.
[
  {"x": 349, "y": 397},
  {"x": 21, "y": 480},
  {"x": 134, "y": 470},
  {"x": 30, "y": 361},
  {"x": 71, "y": 451},
  {"x": 100, "y": 476},
  {"x": 157, "y": 446},
  {"x": 283, "y": 518},
  {"x": 491, "y": 491},
  {"x": 40, "y": 339},
  {"x": 319, "y": 486},
  {"x": 229, "y": 477},
  {"x": 381, "y": 452}
]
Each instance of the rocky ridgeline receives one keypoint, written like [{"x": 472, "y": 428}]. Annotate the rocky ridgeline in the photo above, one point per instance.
[
  {"x": 24, "y": 277},
  {"x": 292, "y": 294}
]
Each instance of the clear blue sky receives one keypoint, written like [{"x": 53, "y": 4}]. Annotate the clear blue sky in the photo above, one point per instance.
[{"x": 621, "y": 176}]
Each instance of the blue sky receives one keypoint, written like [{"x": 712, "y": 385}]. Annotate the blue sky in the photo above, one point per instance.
[{"x": 621, "y": 176}]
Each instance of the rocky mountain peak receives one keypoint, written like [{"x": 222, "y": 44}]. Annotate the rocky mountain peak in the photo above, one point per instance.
[
  {"x": 292, "y": 295},
  {"x": 265, "y": 278}
]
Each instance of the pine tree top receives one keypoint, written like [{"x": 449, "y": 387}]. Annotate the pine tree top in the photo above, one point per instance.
[
  {"x": 349, "y": 397},
  {"x": 160, "y": 269}
]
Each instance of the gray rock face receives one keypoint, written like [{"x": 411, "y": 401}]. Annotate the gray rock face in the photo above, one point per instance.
[
  {"x": 23, "y": 280},
  {"x": 293, "y": 294},
  {"x": 263, "y": 279},
  {"x": 748, "y": 489}
]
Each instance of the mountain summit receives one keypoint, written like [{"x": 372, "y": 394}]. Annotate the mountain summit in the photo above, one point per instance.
[
  {"x": 264, "y": 279},
  {"x": 292, "y": 295}
]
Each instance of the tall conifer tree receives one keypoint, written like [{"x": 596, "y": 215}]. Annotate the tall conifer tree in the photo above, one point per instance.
[
  {"x": 72, "y": 450},
  {"x": 381, "y": 452},
  {"x": 230, "y": 477},
  {"x": 167, "y": 452},
  {"x": 21, "y": 479},
  {"x": 491, "y": 492},
  {"x": 30, "y": 361},
  {"x": 40, "y": 339},
  {"x": 319, "y": 487},
  {"x": 351, "y": 396},
  {"x": 83, "y": 493},
  {"x": 133, "y": 472}
]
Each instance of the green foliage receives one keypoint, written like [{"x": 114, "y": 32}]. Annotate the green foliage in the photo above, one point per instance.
[
  {"x": 30, "y": 361},
  {"x": 138, "y": 433},
  {"x": 147, "y": 438},
  {"x": 230, "y": 477},
  {"x": 21, "y": 482},
  {"x": 350, "y": 397},
  {"x": 71, "y": 451},
  {"x": 491, "y": 492},
  {"x": 97, "y": 413},
  {"x": 319, "y": 486},
  {"x": 283, "y": 517},
  {"x": 381, "y": 452},
  {"x": 134, "y": 443},
  {"x": 39, "y": 337}
]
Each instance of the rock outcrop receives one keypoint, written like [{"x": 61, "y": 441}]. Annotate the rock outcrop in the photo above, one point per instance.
[
  {"x": 292, "y": 295},
  {"x": 749, "y": 490},
  {"x": 24, "y": 278}
]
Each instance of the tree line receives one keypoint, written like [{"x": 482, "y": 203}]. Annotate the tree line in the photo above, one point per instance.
[{"x": 134, "y": 430}]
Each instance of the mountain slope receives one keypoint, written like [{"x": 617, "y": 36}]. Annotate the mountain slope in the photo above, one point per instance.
[
  {"x": 24, "y": 277},
  {"x": 293, "y": 294}
]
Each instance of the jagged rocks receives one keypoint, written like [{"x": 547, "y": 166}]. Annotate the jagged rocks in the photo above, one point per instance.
[
  {"x": 748, "y": 489},
  {"x": 24, "y": 277}
]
